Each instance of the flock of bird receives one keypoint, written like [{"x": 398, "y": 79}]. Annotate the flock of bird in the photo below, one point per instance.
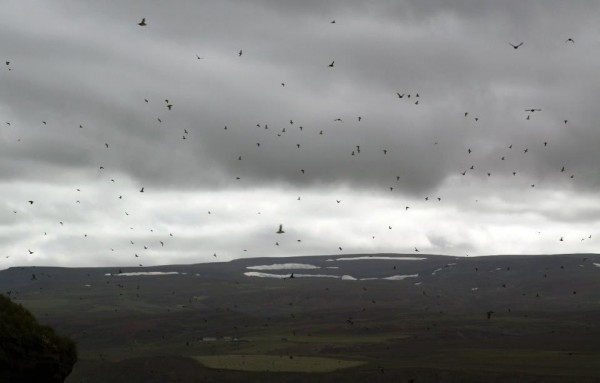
[{"x": 412, "y": 97}]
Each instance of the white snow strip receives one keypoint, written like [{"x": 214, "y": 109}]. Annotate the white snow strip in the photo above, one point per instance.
[
  {"x": 381, "y": 258},
  {"x": 348, "y": 278},
  {"x": 436, "y": 270},
  {"x": 597, "y": 264},
  {"x": 400, "y": 277},
  {"x": 283, "y": 266},
  {"x": 283, "y": 276},
  {"x": 142, "y": 273}
]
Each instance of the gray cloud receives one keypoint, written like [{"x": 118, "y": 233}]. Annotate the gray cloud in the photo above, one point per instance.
[{"x": 90, "y": 64}]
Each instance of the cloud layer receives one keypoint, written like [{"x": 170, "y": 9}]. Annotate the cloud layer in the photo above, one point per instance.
[{"x": 275, "y": 135}]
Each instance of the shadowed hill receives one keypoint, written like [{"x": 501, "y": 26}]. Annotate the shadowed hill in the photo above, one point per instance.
[{"x": 30, "y": 352}]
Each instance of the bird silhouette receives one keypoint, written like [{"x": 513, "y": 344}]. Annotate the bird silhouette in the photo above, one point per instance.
[
  {"x": 142, "y": 23},
  {"x": 280, "y": 231},
  {"x": 332, "y": 64},
  {"x": 570, "y": 40},
  {"x": 516, "y": 46}
]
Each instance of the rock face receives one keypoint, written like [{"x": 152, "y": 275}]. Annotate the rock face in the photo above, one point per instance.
[{"x": 30, "y": 352}]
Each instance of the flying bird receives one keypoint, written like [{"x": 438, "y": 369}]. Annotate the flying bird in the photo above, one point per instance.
[
  {"x": 570, "y": 40},
  {"x": 142, "y": 190},
  {"x": 240, "y": 53},
  {"x": 331, "y": 65},
  {"x": 516, "y": 46},
  {"x": 142, "y": 23},
  {"x": 280, "y": 231}
]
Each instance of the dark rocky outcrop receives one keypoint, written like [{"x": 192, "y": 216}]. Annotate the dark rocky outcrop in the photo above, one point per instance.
[{"x": 30, "y": 352}]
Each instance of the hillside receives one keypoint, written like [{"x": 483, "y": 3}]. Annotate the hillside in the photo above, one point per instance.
[{"x": 383, "y": 316}]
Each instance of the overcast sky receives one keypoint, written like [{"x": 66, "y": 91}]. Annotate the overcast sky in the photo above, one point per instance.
[{"x": 275, "y": 135}]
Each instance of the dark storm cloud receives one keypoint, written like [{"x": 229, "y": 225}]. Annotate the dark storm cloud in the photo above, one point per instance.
[{"x": 456, "y": 55}]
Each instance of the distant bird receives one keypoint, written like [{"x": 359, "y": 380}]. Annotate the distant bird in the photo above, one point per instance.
[
  {"x": 561, "y": 239},
  {"x": 332, "y": 22},
  {"x": 570, "y": 40},
  {"x": 142, "y": 190},
  {"x": 199, "y": 58},
  {"x": 240, "y": 53},
  {"x": 142, "y": 23},
  {"x": 416, "y": 250},
  {"x": 280, "y": 231},
  {"x": 400, "y": 95},
  {"x": 489, "y": 314},
  {"x": 533, "y": 110},
  {"x": 516, "y": 46},
  {"x": 30, "y": 252},
  {"x": 332, "y": 63},
  {"x": 30, "y": 202}
]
